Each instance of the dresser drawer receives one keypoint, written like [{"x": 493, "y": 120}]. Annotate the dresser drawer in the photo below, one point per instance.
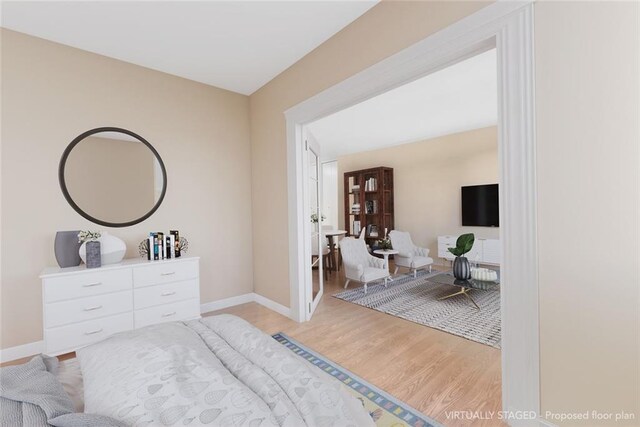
[
  {"x": 183, "y": 310},
  {"x": 86, "y": 284},
  {"x": 150, "y": 296},
  {"x": 71, "y": 337},
  {"x": 164, "y": 272},
  {"x": 82, "y": 309}
]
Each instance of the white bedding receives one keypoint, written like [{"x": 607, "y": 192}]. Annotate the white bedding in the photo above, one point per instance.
[{"x": 215, "y": 371}]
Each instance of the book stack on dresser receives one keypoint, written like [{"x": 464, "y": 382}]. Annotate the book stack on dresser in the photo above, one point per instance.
[{"x": 82, "y": 306}]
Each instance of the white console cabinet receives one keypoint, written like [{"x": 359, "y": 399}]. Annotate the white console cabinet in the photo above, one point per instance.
[
  {"x": 82, "y": 306},
  {"x": 484, "y": 251}
]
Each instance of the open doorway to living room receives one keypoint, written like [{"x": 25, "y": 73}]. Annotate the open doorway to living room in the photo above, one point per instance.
[{"x": 404, "y": 175}]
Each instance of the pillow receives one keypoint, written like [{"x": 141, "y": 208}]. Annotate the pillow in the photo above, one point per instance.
[{"x": 85, "y": 420}]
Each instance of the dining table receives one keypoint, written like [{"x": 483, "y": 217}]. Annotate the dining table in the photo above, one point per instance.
[{"x": 332, "y": 236}]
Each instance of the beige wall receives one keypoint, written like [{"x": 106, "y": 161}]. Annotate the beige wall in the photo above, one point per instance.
[
  {"x": 588, "y": 138},
  {"x": 427, "y": 178},
  {"x": 52, "y": 93},
  {"x": 111, "y": 179},
  {"x": 586, "y": 89},
  {"x": 382, "y": 31}
]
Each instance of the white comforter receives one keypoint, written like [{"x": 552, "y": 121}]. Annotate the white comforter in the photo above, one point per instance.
[{"x": 216, "y": 371}]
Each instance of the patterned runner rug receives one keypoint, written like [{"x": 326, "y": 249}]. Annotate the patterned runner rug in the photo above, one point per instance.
[
  {"x": 416, "y": 300},
  {"x": 385, "y": 410}
]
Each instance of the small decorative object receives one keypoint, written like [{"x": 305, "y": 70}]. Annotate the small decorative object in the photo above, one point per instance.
[
  {"x": 314, "y": 218},
  {"x": 90, "y": 249},
  {"x": 182, "y": 245},
  {"x": 385, "y": 243},
  {"x": 112, "y": 249},
  {"x": 66, "y": 248},
  {"x": 143, "y": 249},
  {"x": 461, "y": 268},
  {"x": 484, "y": 274}
]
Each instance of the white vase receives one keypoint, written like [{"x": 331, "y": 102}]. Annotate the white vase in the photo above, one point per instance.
[{"x": 112, "y": 249}]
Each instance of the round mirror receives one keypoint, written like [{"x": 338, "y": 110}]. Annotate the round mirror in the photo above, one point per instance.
[{"x": 112, "y": 177}]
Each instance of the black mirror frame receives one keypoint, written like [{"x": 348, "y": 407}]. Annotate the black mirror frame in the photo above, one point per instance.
[{"x": 67, "y": 196}]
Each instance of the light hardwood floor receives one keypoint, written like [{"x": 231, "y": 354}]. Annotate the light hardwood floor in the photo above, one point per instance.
[{"x": 432, "y": 371}]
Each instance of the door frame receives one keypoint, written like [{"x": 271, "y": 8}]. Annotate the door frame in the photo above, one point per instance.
[
  {"x": 508, "y": 26},
  {"x": 310, "y": 305}
]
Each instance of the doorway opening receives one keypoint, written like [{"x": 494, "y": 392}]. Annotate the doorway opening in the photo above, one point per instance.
[{"x": 508, "y": 28}]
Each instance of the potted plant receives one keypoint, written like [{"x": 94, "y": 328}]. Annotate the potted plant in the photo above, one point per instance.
[
  {"x": 90, "y": 248},
  {"x": 385, "y": 243},
  {"x": 315, "y": 220},
  {"x": 461, "y": 268}
]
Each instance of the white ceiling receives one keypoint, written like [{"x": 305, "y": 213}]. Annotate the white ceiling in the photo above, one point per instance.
[
  {"x": 458, "y": 98},
  {"x": 235, "y": 45}
]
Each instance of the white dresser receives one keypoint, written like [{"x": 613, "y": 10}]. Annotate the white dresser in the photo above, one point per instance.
[
  {"x": 82, "y": 306},
  {"x": 484, "y": 251}
]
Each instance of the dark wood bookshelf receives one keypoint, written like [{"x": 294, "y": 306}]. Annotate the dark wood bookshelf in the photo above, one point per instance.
[{"x": 375, "y": 204}]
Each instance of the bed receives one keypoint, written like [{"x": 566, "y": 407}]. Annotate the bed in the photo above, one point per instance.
[{"x": 218, "y": 370}]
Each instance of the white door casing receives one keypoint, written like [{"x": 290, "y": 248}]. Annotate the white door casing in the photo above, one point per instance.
[
  {"x": 508, "y": 26},
  {"x": 313, "y": 203}
]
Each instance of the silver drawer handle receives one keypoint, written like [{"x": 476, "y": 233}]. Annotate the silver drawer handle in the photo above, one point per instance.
[
  {"x": 88, "y": 285},
  {"x": 96, "y": 307},
  {"x": 97, "y": 331},
  {"x": 173, "y": 313},
  {"x": 168, "y": 274},
  {"x": 166, "y": 294}
]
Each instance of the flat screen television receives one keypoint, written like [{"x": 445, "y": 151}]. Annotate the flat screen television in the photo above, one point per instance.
[{"x": 480, "y": 205}]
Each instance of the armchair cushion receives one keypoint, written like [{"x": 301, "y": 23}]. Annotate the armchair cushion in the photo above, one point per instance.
[
  {"x": 420, "y": 261},
  {"x": 359, "y": 264},
  {"x": 371, "y": 273},
  {"x": 409, "y": 255}
]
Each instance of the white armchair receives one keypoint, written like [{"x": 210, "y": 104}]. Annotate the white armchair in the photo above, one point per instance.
[
  {"x": 359, "y": 265},
  {"x": 409, "y": 255}
]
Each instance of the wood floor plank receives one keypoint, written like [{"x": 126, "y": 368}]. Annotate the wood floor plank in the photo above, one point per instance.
[{"x": 431, "y": 370}]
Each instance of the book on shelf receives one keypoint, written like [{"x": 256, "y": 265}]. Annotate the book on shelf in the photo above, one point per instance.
[
  {"x": 371, "y": 184},
  {"x": 356, "y": 227},
  {"x": 163, "y": 246},
  {"x": 371, "y": 207},
  {"x": 176, "y": 244}
]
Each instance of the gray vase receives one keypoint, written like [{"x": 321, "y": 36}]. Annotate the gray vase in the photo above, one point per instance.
[
  {"x": 66, "y": 248},
  {"x": 461, "y": 268},
  {"x": 93, "y": 254}
]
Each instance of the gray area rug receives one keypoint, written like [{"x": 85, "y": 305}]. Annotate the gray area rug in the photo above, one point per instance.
[{"x": 416, "y": 300}]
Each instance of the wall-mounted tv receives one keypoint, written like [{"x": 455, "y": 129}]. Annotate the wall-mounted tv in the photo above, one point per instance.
[{"x": 480, "y": 205}]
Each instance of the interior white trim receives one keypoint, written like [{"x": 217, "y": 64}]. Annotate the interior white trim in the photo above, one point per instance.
[
  {"x": 20, "y": 351},
  {"x": 243, "y": 299},
  {"x": 272, "y": 305},
  {"x": 509, "y": 27},
  {"x": 227, "y": 302}
]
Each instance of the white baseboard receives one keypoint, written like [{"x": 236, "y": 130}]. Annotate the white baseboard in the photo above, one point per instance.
[
  {"x": 33, "y": 348},
  {"x": 272, "y": 305},
  {"x": 20, "y": 351},
  {"x": 243, "y": 299},
  {"x": 227, "y": 302}
]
